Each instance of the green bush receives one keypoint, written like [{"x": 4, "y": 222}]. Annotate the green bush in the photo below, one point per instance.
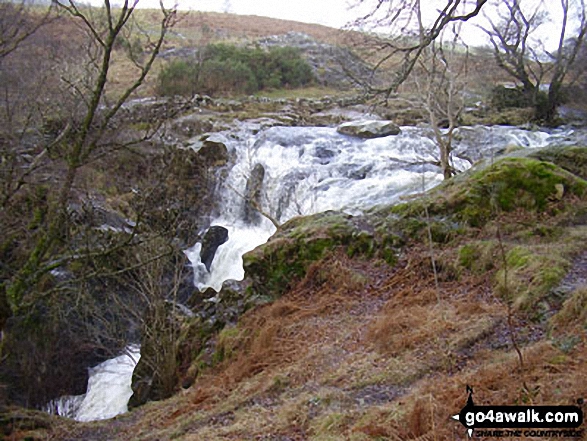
[
  {"x": 507, "y": 98},
  {"x": 178, "y": 78},
  {"x": 226, "y": 69},
  {"x": 217, "y": 76}
]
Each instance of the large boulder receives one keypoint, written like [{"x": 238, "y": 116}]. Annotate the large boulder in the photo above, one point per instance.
[
  {"x": 512, "y": 183},
  {"x": 214, "y": 237},
  {"x": 214, "y": 153},
  {"x": 369, "y": 129},
  {"x": 274, "y": 267},
  {"x": 572, "y": 159}
]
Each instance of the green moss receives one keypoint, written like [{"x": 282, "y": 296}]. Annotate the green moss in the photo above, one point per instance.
[
  {"x": 467, "y": 255},
  {"x": 518, "y": 257},
  {"x": 511, "y": 183},
  {"x": 532, "y": 273},
  {"x": 283, "y": 260},
  {"x": 475, "y": 197},
  {"x": 478, "y": 256},
  {"x": 573, "y": 159},
  {"x": 362, "y": 243},
  {"x": 226, "y": 343}
]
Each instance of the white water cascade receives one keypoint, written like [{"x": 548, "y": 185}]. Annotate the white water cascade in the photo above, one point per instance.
[
  {"x": 307, "y": 170},
  {"x": 109, "y": 389},
  {"x": 310, "y": 170}
]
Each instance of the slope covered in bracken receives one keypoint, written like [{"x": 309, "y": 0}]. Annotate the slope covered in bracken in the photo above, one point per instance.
[{"x": 488, "y": 294}]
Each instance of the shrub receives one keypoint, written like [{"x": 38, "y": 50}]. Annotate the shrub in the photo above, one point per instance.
[
  {"x": 506, "y": 98},
  {"x": 226, "y": 68},
  {"x": 178, "y": 78}
]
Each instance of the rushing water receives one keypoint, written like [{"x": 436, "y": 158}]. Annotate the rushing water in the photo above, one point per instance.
[
  {"x": 310, "y": 170},
  {"x": 109, "y": 389},
  {"x": 307, "y": 170}
]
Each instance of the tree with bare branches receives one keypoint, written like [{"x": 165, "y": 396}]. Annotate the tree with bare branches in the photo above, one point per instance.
[
  {"x": 410, "y": 27},
  {"x": 18, "y": 22},
  {"x": 524, "y": 56},
  {"x": 78, "y": 144},
  {"x": 440, "y": 80},
  {"x": 58, "y": 253}
]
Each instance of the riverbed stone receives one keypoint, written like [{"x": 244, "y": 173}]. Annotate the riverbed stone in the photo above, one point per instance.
[
  {"x": 253, "y": 194},
  {"x": 369, "y": 129},
  {"x": 214, "y": 153},
  {"x": 214, "y": 237}
]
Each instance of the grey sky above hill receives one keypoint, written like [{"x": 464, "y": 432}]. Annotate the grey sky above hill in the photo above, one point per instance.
[{"x": 339, "y": 13}]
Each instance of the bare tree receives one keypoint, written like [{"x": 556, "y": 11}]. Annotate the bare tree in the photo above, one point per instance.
[
  {"x": 17, "y": 23},
  {"x": 429, "y": 56},
  {"x": 51, "y": 145},
  {"x": 440, "y": 81},
  {"x": 526, "y": 59},
  {"x": 409, "y": 32},
  {"x": 77, "y": 145}
]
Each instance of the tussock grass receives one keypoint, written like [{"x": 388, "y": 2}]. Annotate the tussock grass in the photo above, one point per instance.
[{"x": 360, "y": 351}]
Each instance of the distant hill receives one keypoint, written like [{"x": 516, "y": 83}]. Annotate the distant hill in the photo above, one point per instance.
[{"x": 235, "y": 27}]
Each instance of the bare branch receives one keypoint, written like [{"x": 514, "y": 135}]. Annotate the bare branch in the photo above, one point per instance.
[{"x": 17, "y": 24}]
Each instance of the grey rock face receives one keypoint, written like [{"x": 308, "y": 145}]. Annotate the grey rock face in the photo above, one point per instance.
[{"x": 253, "y": 193}]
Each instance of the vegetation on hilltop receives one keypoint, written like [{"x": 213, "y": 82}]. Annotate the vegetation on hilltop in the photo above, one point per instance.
[
  {"x": 351, "y": 323},
  {"x": 229, "y": 69}
]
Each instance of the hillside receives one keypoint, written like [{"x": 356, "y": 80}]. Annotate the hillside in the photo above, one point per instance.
[
  {"x": 366, "y": 319},
  {"x": 361, "y": 343},
  {"x": 249, "y": 27}
]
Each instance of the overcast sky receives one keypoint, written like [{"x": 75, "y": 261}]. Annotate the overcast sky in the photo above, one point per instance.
[{"x": 334, "y": 13}]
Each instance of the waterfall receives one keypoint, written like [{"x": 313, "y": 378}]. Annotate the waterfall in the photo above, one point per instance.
[
  {"x": 307, "y": 170},
  {"x": 108, "y": 392},
  {"x": 314, "y": 169}
]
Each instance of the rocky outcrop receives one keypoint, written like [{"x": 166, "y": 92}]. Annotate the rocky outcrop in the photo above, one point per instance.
[
  {"x": 214, "y": 237},
  {"x": 510, "y": 184},
  {"x": 572, "y": 159},
  {"x": 369, "y": 129},
  {"x": 333, "y": 66},
  {"x": 273, "y": 268},
  {"x": 513, "y": 183}
]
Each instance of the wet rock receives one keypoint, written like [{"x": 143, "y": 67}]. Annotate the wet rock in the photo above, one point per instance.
[
  {"x": 214, "y": 237},
  {"x": 369, "y": 129},
  {"x": 253, "y": 194},
  {"x": 214, "y": 153},
  {"x": 192, "y": 125}
]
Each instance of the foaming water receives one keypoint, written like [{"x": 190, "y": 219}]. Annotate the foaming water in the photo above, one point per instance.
[
  {"x": 108, "y": 392},
  {"x": 313, "y": 169},
  {"x": 307, "y": 170}
]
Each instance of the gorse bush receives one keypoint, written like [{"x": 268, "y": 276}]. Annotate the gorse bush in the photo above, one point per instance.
[{"x": 223, "y": 68}]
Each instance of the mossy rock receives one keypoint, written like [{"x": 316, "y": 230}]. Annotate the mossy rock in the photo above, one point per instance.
[
  {"x": 573, "y": 159},
  {"x": 509, "y": 184},
  {"x": 285, "y": 258},
  {"x": 517, "y": 183},
  {"x": 532, "y": 274}
]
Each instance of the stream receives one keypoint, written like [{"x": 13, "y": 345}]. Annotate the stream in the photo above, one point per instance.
[{"x": 307, "y": 170}]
